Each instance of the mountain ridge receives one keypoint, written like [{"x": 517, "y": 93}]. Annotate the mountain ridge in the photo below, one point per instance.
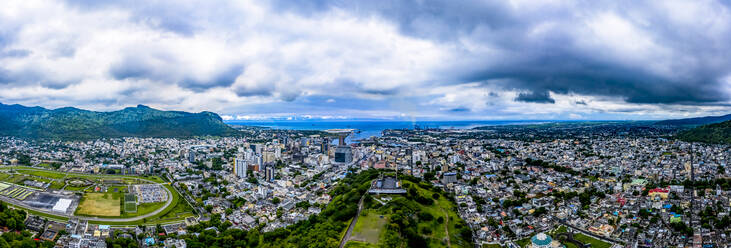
[
  {"x": 140, "y": 121},
  {"x": 719, "y": 133},
  {"x": 696, "y": 121}
]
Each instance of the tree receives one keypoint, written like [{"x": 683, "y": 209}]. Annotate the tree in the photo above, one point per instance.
[{"x": 10, "y": 223}]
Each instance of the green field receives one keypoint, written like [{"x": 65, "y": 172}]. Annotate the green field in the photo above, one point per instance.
[
  {"x": 59, "y": 175},
  {"x": 57, "y": 179},
  {"x": 43, "y": 173},
  {"x": 358, "y": 244},
  {"x": 117, "y": 189},
  {"x": 523, "y": 242},
  {"x": 130, "y": 198},
  {"x": 595, "y": 243},
  {"x": 74, "y": 188},
  {"x": 99, "y": 204},
  {"x": 130, "y": 207},
  {"x": 369, "y": 227}
]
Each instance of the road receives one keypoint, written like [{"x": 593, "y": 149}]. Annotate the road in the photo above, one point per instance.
[
  {"x": 352, "y": 223},
  {"x": 131, "y": 219}
]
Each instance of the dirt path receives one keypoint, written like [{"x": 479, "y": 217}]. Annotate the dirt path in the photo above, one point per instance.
[
  {"x": 446, "y": 227},
  {"x": 352, "y": 223}
]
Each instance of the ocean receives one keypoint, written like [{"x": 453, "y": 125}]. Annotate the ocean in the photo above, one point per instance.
[{"x": 368, "y": 128}]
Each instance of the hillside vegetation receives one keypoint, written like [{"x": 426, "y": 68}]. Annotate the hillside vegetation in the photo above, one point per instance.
[
  {"x": 424, "y": 217},
  {"x": 141, "y": 121},
  {"x": 719, "y": 133}
]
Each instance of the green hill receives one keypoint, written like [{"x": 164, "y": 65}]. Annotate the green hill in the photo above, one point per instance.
[
  {"x": 141, "y": 121},
  {"x": 411, "y": 220},
  {"x": 714, "y": 133},
  {"x": 695, "y": 121},
  {"x": 424, "y": 217}
]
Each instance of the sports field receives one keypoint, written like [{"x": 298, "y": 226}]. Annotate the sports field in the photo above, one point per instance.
[
  {"x": 100, "y": 204},
  {"x": 130, "y": 203}
]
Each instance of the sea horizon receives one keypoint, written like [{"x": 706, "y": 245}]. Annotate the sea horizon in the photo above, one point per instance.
[{"x": 370, "y": 127}]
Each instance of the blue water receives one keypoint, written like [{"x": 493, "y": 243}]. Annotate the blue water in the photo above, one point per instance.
[{"x": 370, "y": 128}]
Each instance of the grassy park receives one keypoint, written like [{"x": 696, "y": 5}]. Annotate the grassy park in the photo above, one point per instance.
[
  {"x": 369, "y": 227},
  {"x": 99, "y": 204},
  {"x": 595, "y": 243}
]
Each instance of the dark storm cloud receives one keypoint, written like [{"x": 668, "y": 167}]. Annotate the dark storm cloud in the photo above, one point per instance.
[
  {"x": 535, "y": 97},
  {"x": 696, "y": 57}
]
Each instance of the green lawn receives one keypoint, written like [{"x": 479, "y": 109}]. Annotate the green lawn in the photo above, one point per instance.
[
  {"x": 43, "y": 173},
  {"x": 74, "y": 188},
  {"x": 369, "y": 227},
  {"x": 100, "y": 204},
  {"x": 358, "y": 244},
  {"x": 522, "y": 242},
  {"x": 491, "y": 246},
  {"x": 120, "y": 189},
  {"x": 143, "y": 209},
  {"x": 16, "y": 179},
  {"x": 56, "y": 185},
  {"x": 559, "y": 230},
  {"x": 595, "y": 243},
  {"x": 129, "y": 207},
  {"x": 59, "y": 175}
]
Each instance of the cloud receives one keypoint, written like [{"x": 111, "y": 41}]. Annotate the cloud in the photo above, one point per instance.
[
  {"x": 425, "y": 58},
  {"x": 535, "y": 97}
]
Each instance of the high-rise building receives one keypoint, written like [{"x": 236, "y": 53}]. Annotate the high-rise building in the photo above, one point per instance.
[
  {"x": 269, "y": 173},
  {"x": 191, "y": 156},
  {"x": 343, "y": 154},
  {"x": 240, "y": 167},
  {"x": 325, "y": 147}
]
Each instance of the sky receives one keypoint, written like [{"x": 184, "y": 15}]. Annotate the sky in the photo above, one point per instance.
[{"x": 407, "y": 59}]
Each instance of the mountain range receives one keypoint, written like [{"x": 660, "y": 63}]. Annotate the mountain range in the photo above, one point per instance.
[
  {"x": 141, "y": 121},
  {"x": 695, "y": 121},
  {"x": 719, "y": 133}
]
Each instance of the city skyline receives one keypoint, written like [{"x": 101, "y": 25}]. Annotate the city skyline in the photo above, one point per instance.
[{"x": 431, "y": 60}]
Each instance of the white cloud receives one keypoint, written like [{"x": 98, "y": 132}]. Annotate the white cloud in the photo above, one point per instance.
[{"x": 251, "y": 60}]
